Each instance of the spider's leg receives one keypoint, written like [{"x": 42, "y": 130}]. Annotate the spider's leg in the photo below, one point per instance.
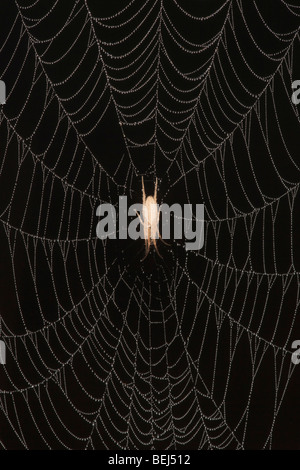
[
  {"x": 143, "y": 224},
  {"x": 156, "y": 249},
  {"x": 141, "y": 220},
  {"x": 147, "y": 249},
  {"x": 144, "y": 194},
  {"x": 166, "y": 243}
]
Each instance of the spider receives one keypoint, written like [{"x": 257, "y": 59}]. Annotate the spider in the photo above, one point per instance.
[{"x": 150, "y": 220}]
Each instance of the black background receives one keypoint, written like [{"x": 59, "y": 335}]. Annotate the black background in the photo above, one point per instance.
[{"x": 60, "y": 160}]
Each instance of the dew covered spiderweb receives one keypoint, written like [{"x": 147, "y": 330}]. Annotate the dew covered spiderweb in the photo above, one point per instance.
[{"x": 189, "y": 352}]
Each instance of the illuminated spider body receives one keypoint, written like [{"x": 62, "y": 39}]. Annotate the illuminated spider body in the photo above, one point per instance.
[{"x": 150, "y": 220}]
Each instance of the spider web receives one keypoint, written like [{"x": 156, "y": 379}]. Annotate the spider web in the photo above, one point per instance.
[{"x": 192, "y": 351}]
